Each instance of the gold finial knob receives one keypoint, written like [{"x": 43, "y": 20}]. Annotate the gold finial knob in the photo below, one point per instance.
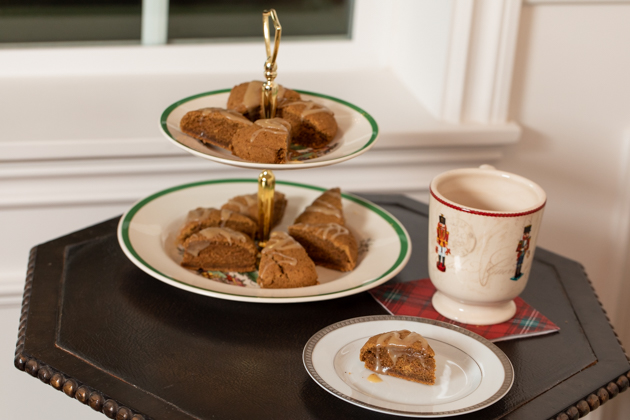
[
  {"x": 266, "y": 190},
  {"x": 270, "y": 88}
]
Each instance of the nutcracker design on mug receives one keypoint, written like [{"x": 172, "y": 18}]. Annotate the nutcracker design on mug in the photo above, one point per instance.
[
  {"x": 489, "y": 214},
  {"x": 522, "y": 250},
  {"x": 442, "y": 243}
]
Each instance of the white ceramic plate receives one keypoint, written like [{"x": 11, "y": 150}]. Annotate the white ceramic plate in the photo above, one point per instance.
[
  {"x": 357, "y": 132},
  {"x": 471, "y": 372},
  {"x": 146, "y": 234}
]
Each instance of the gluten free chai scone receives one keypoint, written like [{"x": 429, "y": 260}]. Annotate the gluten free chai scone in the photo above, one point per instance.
[
  {"x": 321, "y": 230},
  {"x": 403, "y": 354},
  {"x": 265, "y": 141},
  {"x": 247, "y": 205},
  {"x": 246, "y": 98},
  {"x": 284, "y": 264},
  {"x": 214, "y": 126},
  {"x": 219, "y": 249},
  {"x": 205, "y": 217},
  {"x": 313, "y": 125}
]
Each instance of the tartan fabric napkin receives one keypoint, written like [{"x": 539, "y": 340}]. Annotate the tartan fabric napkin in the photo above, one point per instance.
[{"x": 414, "y": 299}]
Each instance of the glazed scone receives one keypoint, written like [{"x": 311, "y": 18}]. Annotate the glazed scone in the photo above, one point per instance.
[
  {"x": 330, "y": 245},
  {"x": 266, "y": 141},
  {"x": 248, "y": 205},
  {"x": 327, "y": 208},
  {"x": 219, "y": 249},
  {"x": 215, "y": 126},
  {"x": 313, "y": 125},
  {"x": 246, "y": 98},
  {"x": 285, "y": 264},
  {"x": 202, "y": 217},
  {"x": 403, "y": 354}
]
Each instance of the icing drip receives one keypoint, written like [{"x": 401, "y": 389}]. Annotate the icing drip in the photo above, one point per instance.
[
  {"x": 397, "y": 347},
  {"x": 334, "y": 229},
  {"x": 230, "y": 115},
  {"x": 250, "y": 200},
  {"x": 253, "y": 95},
  {"x": 212, "y": 233},
  {"x": 374, "y": 378},
  {"x": 198, "y": 214},
  {"x": 279, "y": 241},
  {"x": 272, "y": 125},
  {"x": 325, "y": 208},
  {"x": 225, "y": 216},
  {"x": 309, "y": 109}
]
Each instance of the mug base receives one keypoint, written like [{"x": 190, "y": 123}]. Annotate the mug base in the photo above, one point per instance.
[{"x": 473, "y": 314}]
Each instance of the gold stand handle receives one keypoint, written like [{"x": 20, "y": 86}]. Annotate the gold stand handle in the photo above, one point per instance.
[
  {"x": 266, "y": 190},
  {"x": 270, "y": 88}
]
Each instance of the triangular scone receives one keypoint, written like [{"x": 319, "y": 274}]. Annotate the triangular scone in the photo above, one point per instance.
[
  {"x": 284, "y": 263},
  {"x": 220, "y": 249},
  {"x": 330, "y": 245},
  {"x": 403, "y": 354},
  {"x": 313, "y": 125},
  {"x": 248, "y": 206},
  {"x": 265, "y": 141},
  {"x": 215, "y": 126},
  {"x": 326, "y": 208},
  {"x": 245, "y": 98},
  {"x": 202, "y": 217}
]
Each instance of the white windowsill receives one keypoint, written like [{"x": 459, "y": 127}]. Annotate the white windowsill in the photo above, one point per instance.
[{"x": 70, "y": 117}]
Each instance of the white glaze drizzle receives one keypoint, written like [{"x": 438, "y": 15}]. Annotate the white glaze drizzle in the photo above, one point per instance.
[
  {"x": 323, "y": 207},
  {"x": 199, "y": 213},
  {"x": 225, "y": 216},
  {"x": 397, "y": 346},
  {"x": 229, "y": 114},
  {"x": 213, "y": 233},
  {"x": 309, "y": 109},
  {"x": 271, "y": 125},
  {"x": 253, "y": 95},
  {"x": 332, "y": 228},
  {"x": 279, "y": 241},
  {"x": 250, "y": 200}
]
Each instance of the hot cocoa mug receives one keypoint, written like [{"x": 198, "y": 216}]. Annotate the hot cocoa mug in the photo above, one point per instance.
[{"x": 483, "y": 226}]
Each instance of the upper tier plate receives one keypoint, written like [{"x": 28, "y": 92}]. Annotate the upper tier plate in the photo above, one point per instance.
[{"x": 357, "y": 132}]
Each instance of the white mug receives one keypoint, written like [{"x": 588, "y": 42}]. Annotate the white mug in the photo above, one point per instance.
[{"x": 483, "y": 226}]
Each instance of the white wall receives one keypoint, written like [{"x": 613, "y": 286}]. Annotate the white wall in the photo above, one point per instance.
[{"x": 571, "y": 95}]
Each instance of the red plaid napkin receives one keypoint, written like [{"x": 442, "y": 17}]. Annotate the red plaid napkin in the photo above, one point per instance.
[{"x": 414, "y": 299}]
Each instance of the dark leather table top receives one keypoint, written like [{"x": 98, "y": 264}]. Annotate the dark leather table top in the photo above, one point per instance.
[{"x": 109, "y": 335}]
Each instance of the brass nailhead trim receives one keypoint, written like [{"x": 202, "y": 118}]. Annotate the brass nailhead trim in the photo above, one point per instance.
[
  {"x": 57, "y": 380},
  {"x": 592, "y": 402}
]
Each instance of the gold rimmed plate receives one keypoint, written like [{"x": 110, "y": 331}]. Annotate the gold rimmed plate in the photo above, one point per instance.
[{"x": 471, "y": 372}]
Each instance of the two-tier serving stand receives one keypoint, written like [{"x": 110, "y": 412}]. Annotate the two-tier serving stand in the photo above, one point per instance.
[{"x": 146, "y": 230}]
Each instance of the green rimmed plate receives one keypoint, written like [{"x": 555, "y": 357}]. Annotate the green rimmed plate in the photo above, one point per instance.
[
  {"x": 146, "y": 234},
  {"x": 357, "y": 132}
]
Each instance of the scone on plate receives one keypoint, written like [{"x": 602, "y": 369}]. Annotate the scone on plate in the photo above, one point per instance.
[
  {"x": 403, "y": 354},
  {"x": 205, "y": 217},
  {"x": 321, "y": 230},
  {"x": 284, "y": 263},
  {"x": 313, "y": 125},
  {"x": 219, "y": 249},
  {"x": 266, "y": 141},
  {"x": 214, "y": 126},
  {"x": 246, "y": 98}
]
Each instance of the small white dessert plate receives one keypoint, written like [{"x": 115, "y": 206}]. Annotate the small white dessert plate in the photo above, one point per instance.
[
  {"x": 471, "y": 372},
  {"x": 147, "y": 233},
  {"x": 357, "y": 132}
]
